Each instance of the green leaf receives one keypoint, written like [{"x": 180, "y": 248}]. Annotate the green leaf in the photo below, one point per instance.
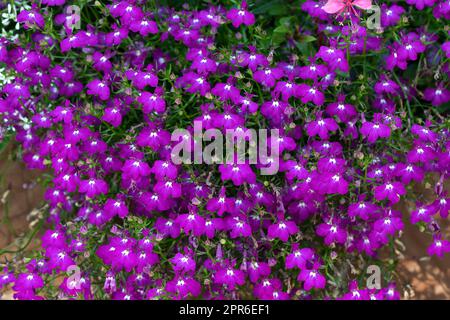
[{"x": 273, "y": 8}]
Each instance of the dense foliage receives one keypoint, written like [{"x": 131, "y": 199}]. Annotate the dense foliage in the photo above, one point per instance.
[{"x": 93, "y": 92}]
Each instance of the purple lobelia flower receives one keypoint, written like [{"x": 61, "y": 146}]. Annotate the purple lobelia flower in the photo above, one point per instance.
[
  {"x": 439, "y": 247},
  {"x": 437, "y": 96},
  {"x": 342, "y": 110},
  {"x": 98, "y": 88},
  {"x": 390, "y": 16},
  {"x": 238, "y": 173},
  {"x": 299, "y": 257},
  {"x": 221, "y": 204},
  {"x": 311, "y": 94},
  {"x": 241, "y": 16},
  {"x": 31, "y": 18},
  {"x": 115, "y": 207},
  {"x": 332, "y": 233},
  {"x": 268, "y": 76},
  {"x": 385, "y": 85},
  {"x": 282, "y": 230},
  {"x": 192, "y": 222},
  {"x": 183, "y": 287},
  {"x": 375, "y": 130},
  {"x": 423, "y": 213},
  {"x": 389, "y": 224},
  {"x": 183, "y": 263},
  {"x": 229, "y": 277},
  {"x": 390, "y": 190},
  {"x": 257, "y": 270},
  {"x": 238, "y": 227},
  {"x": 93, "y": 187},
  {"x": 312, "y": 279},
  {"x": 321, "y": 127}
]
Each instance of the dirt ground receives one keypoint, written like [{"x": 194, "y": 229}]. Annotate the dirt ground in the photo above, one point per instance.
[{"x": 427, "y": 278}]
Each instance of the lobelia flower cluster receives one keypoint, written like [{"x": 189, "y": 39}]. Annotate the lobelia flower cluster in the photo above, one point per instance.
[{"x": 361, "y": 115}]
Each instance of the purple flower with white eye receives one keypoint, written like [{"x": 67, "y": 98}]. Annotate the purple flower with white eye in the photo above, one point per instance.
[
  {"x": 212, "y": 226},
  {"x": 389, "y": 224},
  {"x": 437, "y": 96},
  {"x": 183, "y": 287},
  {"x": 375, "y": 130},
  {"x": 257, "y": 270},
  {"x": 238, "y": 227},
  {"x": 226, "y": 91},
  {"x": 268, "y": 77},
  {"x": 229, "y": 277},
  {"x": 112, "y": 116},
  {"x": 412, "y": 45},
  {"x": 204, "y": 65},
  {"x": 397, "y": 57},
  {"x": 311, "y": 94},
  {"x": 423, "y": 213},
  {"x": 135, "y": 168},
  {"x": 247, "y": 105},
  {"x": 141, "y": 79},
  {"x": 253, "y": 60},
  {"x": 286, "y": 89},
  {"x": 312, "y": 279},
  {"x": 93, "y": 187},
  {"x": 115, "y": 207},
  {"x": 321, "y": 127},
  {"x": 342, "y": 110},
  {"x": 116, "y": 36},
  {"x": 98, "y": 88},
  {"x": 439, "y": 247},
  {"x": 167, "y": 227},
  {"x": 299, "y": 258},
  {"x": 193, "y": 83},
  {"x": 164, "y": 169},
  {"x": 221, "y": 204},
  {"x": 313, "y": 71},
  {"x": 409, "y": 172},
  {"x": 424, "y": 133},
  {"x": 58, "y": 259},
  {"x": 191, "y": 221},
  {"x": 274, "y": 110},
  {"x": 335, "y": 58},
  {"x": 152, "y": 101},
  {"x": 183, "y": 263},
  {"x": 282, "y": 230},
  {"x": 442, "y": 205},
  {"x": 390, "y": 190},
  {"x": 385, "y": 85},
  {"x": 28, "y": 282},
  {"x": 167, "y": 188},
  {"x": 390, "y": 16},
  {"x": 293, "y": 170},
  {"x": 238, "y": 173},
  {"x": 421, "y": 153},
  {"x": 144, "y": 27},
  {"x": 101, "y": 62},
  {"x": 363, "y": 210},
  {"x": 54, "y": 239},
  {"x": 331, "y": 165},
  {"x": 6, "y": 278},
  {"x": 31, "y": 18},
  {"x": 332, "y": 232},
  {"x": 240, "y": 16}
]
